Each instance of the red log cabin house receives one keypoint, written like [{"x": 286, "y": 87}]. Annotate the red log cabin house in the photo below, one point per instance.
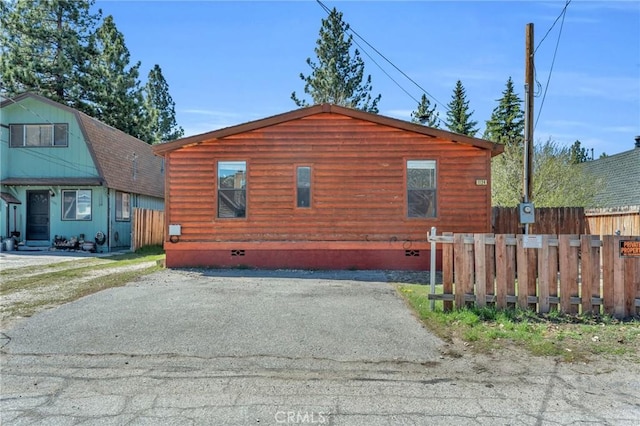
[{"x": 323, "y": 187}]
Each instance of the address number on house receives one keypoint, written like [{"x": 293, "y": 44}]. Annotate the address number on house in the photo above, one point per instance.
[{"x": 630, "y": 248}]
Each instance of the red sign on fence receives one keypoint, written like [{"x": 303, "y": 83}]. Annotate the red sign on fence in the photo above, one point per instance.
[{"x": 629, "y": 248}]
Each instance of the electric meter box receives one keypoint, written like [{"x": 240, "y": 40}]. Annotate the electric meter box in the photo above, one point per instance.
[
  {"x": 527, "y": 213},
  {"x": 175, "y": 230}
]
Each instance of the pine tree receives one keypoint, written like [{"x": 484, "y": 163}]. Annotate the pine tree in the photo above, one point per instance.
[
  {"x": 578, "y": 153},
  {"x": 425, "y": 115},
  {"x": 114, "y": 88},
  {"x": 506, "y": 125},
  {"x": 160, "y": 109},
  {"x": 43, "y": 47},
  {"x": 337, "y": 78},
  {"x": 458, "y": 116}
]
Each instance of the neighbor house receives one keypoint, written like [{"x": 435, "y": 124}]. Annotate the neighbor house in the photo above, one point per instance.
[
  {"x": 64, "y": 174},
  {"x": 616, "y": 207},
  {"x": 322, "y": 187}
]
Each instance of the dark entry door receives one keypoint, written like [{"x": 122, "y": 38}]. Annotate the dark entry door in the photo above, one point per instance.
[{"x": 37, "y": 215}]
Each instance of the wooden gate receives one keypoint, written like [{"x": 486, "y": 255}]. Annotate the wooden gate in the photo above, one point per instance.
[{"x": 569, "y": 273}]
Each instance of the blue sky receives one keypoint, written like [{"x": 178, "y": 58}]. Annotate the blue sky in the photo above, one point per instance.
[{"x": 232, "y": 62}]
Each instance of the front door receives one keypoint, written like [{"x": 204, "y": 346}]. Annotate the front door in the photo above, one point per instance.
[{"x": 37, "y": 215}]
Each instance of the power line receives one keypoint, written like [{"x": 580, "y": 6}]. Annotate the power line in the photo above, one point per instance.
[
  {"x": 563, "y": 14},
  {"x": 328, "y": 11}
]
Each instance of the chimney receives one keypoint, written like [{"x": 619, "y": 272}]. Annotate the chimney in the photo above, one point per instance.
[{"x": 637, "y": 141}]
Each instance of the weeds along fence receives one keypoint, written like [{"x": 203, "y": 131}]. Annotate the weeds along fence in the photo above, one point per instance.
[
  {"x": 569, "y": 273},
  {"x": 148, "y": 228}
]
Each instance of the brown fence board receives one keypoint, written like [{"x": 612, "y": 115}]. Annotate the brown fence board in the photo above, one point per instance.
[
  {"x": 544, "y": 276},
  {"x": 480, "y": 263},
  {"x": 631, "y": 279},
  {"x": 523, "y": 274},
  {"x": 502, "y": 266},
  {"x": 447, "y": 271}
]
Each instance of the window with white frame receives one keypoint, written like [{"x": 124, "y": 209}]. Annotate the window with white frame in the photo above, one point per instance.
[
  {"x": 232, "y": 189},
  {"x": 303, "y": 186},
  {"x": 421, "y": 188},
  {"x": 39, "y": 135},
  {"x": 76, "y": 204},
  {"x": 123, "y": 206}
]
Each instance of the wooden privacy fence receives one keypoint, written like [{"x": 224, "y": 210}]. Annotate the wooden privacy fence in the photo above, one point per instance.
[
  {"x": 568, "y": 273},
  {"x": 148, "y": 228},
  {"x": 549, "y": 220},
  {"x": 617, "y": 220}
]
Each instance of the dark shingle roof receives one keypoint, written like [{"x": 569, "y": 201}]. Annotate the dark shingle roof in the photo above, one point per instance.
[
  {"x": 620, "y": 174},
  {"x": 124, "y": 163}
]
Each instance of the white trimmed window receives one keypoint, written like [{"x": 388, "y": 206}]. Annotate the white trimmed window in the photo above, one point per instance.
[
  {"x": 123, "y": 206},
  {"x": 38, "y": 135},
  {"x": 76, "y": 204},
  {"x": 421, "y": 188},
  {"x": 303, "y": 186},
  {"x": 232, "y": 189}
]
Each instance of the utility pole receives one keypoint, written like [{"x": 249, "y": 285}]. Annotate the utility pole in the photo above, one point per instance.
[{"x": 526, "y": 207}]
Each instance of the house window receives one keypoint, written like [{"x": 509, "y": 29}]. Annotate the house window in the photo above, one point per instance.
[
  {"x": 123, "y": 206},
  {"x": 232, "y": 189},
  {"x": 421, "y": 188},
  {"x": 76, "y": 204},
  {"x": 303, "y": 186},
  {"x": 41, "y": 135}
]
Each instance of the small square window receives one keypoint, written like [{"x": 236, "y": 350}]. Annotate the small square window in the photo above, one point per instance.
[{"x": 76, "y": 204}]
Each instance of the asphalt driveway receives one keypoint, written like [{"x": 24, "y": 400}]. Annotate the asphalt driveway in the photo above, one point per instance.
[
  {"x": 236, "y": 313},
  {"x": 282, "y": 347}
]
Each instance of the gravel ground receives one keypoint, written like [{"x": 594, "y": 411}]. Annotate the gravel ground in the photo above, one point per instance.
[{"x": 21, "y": 259}]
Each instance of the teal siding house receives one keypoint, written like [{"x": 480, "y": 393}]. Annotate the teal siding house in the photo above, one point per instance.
[{"x": 65, "y": 176}]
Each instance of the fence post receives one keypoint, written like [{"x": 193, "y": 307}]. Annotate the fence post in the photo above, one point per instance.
[{"x": 447, "y": 271}]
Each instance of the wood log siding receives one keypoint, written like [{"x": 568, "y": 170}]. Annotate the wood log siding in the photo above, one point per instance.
[{"x": 358, "y": 183}]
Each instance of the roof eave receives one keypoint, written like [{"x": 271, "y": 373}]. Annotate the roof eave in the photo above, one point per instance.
[{"x": 166, "y": 147}]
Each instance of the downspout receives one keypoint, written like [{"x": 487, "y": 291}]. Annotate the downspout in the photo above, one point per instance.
[{"x": 108, "y": 220}]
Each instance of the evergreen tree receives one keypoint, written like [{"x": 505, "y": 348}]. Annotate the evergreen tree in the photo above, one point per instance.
[
  {"x": 459, "y": 116},
  {"x": 506, "y": 124},
  {"x": 43, "y": 47},
  {"x": 160, "y": 109},
  {"x": 578, "y": 153},
  {"x": 425, "y": 115},
  {"x": 337, "y": 78},
  {"x": 114, "y": 88}
]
